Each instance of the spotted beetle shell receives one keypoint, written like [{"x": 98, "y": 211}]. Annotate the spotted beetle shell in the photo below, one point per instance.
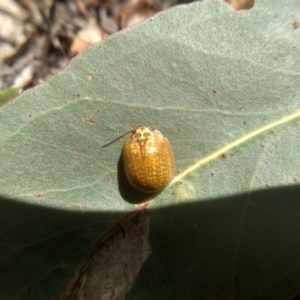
[{"x": 148, "y": 160}]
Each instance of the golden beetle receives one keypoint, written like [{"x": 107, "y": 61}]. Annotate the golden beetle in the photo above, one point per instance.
[{"x": 148, "y": 160}]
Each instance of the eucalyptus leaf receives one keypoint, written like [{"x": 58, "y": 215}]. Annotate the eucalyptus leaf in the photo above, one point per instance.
[{"x": 224, "y": 88}]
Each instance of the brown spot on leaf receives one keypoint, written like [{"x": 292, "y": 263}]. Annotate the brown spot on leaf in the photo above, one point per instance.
[
  {"x": 296, "y": 24},
  {"x": 93, "y": 121}
]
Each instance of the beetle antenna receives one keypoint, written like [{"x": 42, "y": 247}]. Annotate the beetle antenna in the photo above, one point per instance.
[{"x": 118, "y": 137}]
